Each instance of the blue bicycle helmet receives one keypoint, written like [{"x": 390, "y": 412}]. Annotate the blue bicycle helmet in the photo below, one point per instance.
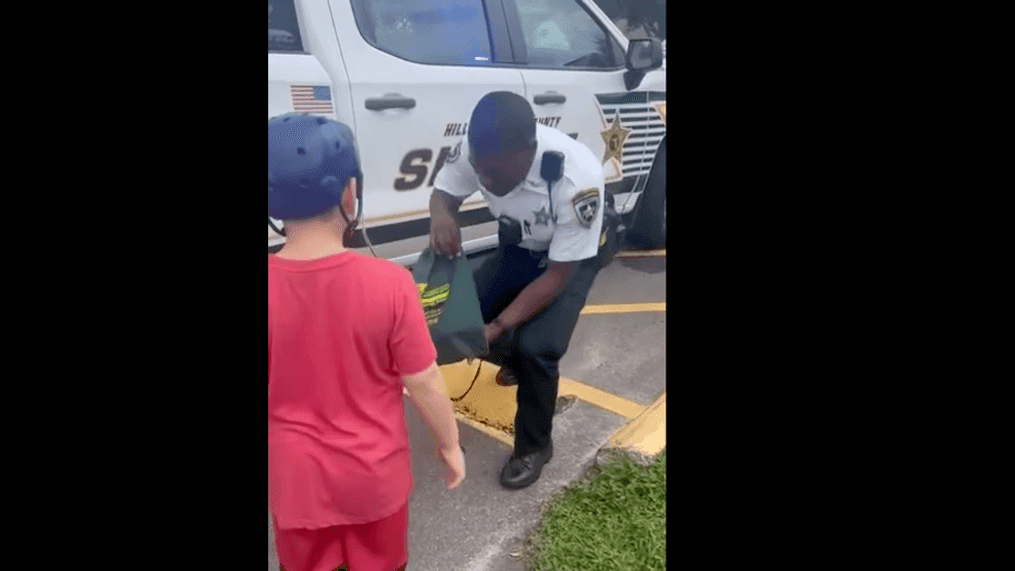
[{"x": 310, "y": 160}]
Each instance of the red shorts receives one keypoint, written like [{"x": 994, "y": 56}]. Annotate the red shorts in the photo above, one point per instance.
[{"x": 376, "y": 546}]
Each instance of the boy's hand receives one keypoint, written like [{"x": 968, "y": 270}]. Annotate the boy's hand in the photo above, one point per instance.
[{"x": 454, "y": 459}]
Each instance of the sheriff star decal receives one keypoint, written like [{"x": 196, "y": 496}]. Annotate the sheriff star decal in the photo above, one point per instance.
[
  {"x": 614, "y": 137},
  {"x": 586, "y": 206}
]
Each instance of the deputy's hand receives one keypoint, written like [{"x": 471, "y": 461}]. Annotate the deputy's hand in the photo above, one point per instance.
[
  {"x": 445, "y": 236},
  {"x": 454, "y": 460},
  {"x": 492, "y": 332}
]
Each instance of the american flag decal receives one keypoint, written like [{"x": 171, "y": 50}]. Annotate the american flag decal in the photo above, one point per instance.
[{"x": 312, "y": 99}]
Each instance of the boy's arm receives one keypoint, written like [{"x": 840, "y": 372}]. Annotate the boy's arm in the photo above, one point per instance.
[
  {"x": 429, "y": 397},
  {"x": 413, "y": 350}
]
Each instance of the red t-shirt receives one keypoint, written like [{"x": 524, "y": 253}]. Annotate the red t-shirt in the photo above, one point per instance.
[{"x": 342, "y": 332}]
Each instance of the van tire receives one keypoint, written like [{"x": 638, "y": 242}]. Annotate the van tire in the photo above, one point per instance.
[
  {"x": 615, "y": 234},
  {"x": 649, "y": 229}
]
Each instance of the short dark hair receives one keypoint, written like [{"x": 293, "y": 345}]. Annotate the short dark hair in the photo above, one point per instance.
[{"x": 502, "y": 121}]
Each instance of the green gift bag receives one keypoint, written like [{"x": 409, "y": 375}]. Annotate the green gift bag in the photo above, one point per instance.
[{"x": 447, "y": 292}]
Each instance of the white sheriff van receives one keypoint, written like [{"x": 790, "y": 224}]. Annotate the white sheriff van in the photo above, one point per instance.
[{"x": 405, "y": 75}]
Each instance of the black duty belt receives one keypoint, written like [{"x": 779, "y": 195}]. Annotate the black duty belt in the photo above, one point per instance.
[{"x": 538, "y": 255}]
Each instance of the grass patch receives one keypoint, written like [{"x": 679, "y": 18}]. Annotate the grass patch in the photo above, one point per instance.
[{"x": 614, "y": 520}]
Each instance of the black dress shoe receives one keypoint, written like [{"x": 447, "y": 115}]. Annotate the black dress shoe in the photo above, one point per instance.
[
  {"x": 523, "y": 471},
  {"x": 506, "y": 378}
]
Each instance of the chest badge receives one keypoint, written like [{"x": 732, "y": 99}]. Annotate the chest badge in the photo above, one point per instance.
[{"x": 542, "y": 217}]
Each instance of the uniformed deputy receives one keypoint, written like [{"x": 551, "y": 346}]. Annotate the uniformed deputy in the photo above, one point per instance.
[{"x": 533, "y": 288}]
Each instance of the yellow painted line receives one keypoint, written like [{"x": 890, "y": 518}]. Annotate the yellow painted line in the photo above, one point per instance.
[
  {"x": 600, "y": 399},
  {"x": 641, "y": 254},
  {"x": 645, "y": 434},
  {"x": 624, "y": 308}
]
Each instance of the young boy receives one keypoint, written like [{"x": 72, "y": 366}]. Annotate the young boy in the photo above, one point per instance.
[{"x": 346, "y": 333}]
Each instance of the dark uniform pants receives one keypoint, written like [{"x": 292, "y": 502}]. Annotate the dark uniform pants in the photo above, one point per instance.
[{"x": 533, "y": 350}]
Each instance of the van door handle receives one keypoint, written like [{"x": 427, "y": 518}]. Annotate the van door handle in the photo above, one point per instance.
[
  {"x": 550, "y": 97},
  {"x": 390, "y": 101}
]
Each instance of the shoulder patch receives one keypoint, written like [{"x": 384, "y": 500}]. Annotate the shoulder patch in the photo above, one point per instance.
[
  {"x": 455, "y": 154},
  {"x": 586, "y": 206}
]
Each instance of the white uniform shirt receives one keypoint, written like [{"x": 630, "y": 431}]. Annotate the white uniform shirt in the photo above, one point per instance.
[{"x": 578, "y": 197}]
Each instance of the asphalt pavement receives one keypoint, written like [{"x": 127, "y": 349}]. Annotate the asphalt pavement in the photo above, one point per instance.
[{"x": 481, "y": 526}]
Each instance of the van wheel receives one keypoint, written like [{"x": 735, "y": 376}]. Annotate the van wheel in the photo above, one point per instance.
[
  {"x": 613, "y": 239},
  {"x": 650, "y": 222}
]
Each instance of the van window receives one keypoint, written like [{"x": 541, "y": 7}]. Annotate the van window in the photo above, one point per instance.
[
  {"x": 560, "y": 33},
  {"x": 283, "y": 28},
  {"x": 427, "y": 31}
]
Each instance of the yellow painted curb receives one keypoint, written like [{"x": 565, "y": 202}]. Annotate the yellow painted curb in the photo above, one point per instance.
[
  {"x": 498, "y": 435},
  {"x": 623, "y": 308},
  {"x": 645, "y": 435},
  {"x": 641, "y": 253},
  {"x": 488, "y": 403},
  {"x": 495, "y": 433},
  {"x": 490, "y": 408}
]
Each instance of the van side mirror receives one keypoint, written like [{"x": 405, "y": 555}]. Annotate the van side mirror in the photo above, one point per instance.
[{"x": 642, "y": 56}]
